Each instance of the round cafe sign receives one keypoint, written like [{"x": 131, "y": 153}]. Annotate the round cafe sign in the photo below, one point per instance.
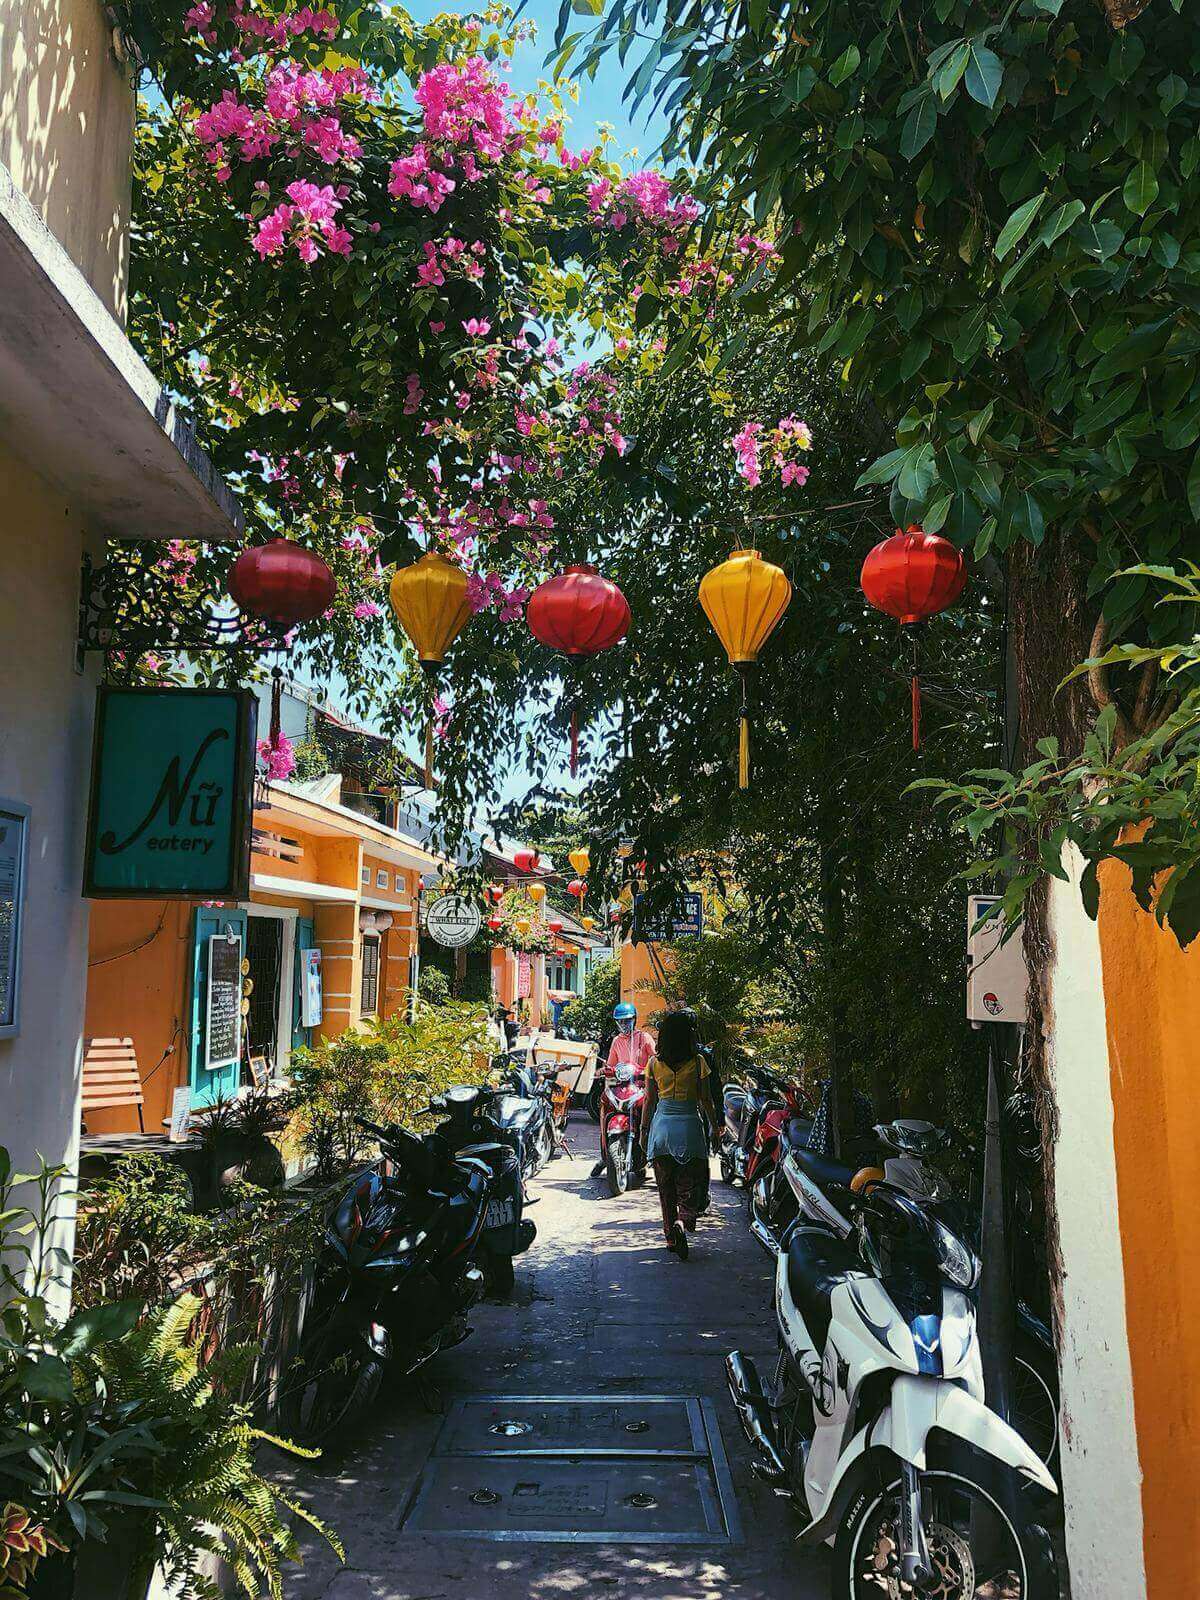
[{"x": 453, "y": 920}]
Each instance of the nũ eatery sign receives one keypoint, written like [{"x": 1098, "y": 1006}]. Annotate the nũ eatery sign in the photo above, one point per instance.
[{"x": 172, "y": 794}]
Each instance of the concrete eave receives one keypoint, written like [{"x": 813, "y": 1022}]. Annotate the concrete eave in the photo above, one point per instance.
[{"x": 82, "y": 408}]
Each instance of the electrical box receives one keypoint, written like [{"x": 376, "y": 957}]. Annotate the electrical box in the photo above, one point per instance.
[{"x": 997, "y": 977}]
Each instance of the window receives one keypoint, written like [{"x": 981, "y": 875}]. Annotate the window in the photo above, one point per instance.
[
  {"x": 399, "y": 883},
  {"x": 366, "y": 876},
  {"x": 381, "y": 879},
  {"x": 370, "y": 975}
]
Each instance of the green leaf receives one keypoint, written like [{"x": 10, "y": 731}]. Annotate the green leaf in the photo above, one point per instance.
[
  {"x": 1015, "y": 228},
  {"x": 945, "y": 79},
  {"x": 978, "y": 424},
  {"x": 111, "y": 1320},
  {"x": 918, "y": 127},
  {"x": 1193, "y": 487},
  {"x": 984, "y": 75},
  {"x": 47, "y": 1378},
  {"x": 1107, "y": 410},
  {"x": 846, "y": 64},
  {"x": 587, "y": 8},
  {"x": 1059, "y": 221},
  {"x": 916, "y": 472},
  {"x": 1141, "y": 189},
  {"x": 881, "y": 471}
]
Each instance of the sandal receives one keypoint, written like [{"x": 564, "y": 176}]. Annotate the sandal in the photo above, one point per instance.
[{"x": 680, "y": 1244}]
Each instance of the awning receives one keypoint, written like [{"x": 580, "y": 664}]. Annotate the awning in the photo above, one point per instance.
[{"x": 299, "y": 889}]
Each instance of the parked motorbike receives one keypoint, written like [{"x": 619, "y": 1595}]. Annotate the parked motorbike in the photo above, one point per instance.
[
  {"x": 875, "y": 1423},
  {"x": 394, "y": 1281},
  {"x": 524, "y": 1113},
  {"x": 596, "y": 1092},
  {"x": 471, "y": 1129},
  {"x": 744, "y": 1105},
  {"x": 622, "y": 1153}
]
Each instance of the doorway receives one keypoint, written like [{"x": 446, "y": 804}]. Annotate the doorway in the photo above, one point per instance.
[{"x": 270, "y": 953}]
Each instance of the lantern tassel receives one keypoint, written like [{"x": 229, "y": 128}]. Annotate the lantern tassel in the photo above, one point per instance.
[
  {"x": 276, "y": 699},
  {"x": 916, "y": 711},
  {"x": 744, "y": 753},
  {"x": 574, "y": 740}
]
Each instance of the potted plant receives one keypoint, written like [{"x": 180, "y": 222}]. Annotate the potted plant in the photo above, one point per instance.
[
  {"x": 236, "y": 1133},
  {"x": 120, "y": 1451}
]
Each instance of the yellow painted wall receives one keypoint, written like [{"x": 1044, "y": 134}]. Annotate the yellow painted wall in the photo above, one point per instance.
[
  {"x": 66, "y": 131},
  {"x": 1152, "y": 999},
  {"x": 639, "y": 981}
]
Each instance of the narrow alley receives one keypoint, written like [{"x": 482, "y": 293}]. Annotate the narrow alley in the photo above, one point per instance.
[{"x": 600, "y": 1309}]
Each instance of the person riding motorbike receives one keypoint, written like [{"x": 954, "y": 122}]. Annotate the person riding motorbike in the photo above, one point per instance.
[{"x": 632, "y": 1044}]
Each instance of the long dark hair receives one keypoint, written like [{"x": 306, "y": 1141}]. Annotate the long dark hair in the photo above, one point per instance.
[{"x": 676, "y": 1038}]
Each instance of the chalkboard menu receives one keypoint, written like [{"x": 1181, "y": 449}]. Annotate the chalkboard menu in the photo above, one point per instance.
[{"x": 223, "y": 1016}]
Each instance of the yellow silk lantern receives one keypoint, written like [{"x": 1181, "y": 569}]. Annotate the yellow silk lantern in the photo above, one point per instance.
[
  {"x": 581, "y": 860},
  {"x": 522, "y": 926},
  {"x": 744, "y": 598},
  {"x": 430, "y": 602},
  {"x": 536, "y": 892},
  {"x": 587, "y": 923}
]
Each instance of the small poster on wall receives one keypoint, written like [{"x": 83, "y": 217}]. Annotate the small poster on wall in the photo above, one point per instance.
[
  {"x": 223, "y": 1013},
  {"x": 181, "y": 1114},
  {"x": 311, "y": 1000},
  {"x": 524, "y": 975}
]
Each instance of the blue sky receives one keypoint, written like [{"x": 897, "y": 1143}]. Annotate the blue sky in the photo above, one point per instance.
[{"x": 599, "y": 102}]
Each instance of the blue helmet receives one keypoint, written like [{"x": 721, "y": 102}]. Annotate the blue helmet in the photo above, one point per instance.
[{"x": 625, "y": 1015}]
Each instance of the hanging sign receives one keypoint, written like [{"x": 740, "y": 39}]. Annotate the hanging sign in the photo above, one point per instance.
[
  {"x": 172, "y": 792},
  {"x": 524, "y": 975},
  {"x": 997, "y": 977},
  {"x": 453, "y": 920},
  {"x": 311, "y": 998},
  {"x": 223, "y": 1006},
  {"x": 685, "y": 921},
  {"x": 14, "y": 833}
]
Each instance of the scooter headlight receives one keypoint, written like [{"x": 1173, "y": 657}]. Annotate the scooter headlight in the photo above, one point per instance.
[
  {"x": 623, "y": 1072},
  {"x": 958, "y": 1263}
]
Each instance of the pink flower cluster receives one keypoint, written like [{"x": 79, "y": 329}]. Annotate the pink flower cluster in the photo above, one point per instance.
[
  {"x": 488, "y": 590},
  {"x": 465, "y": 106},
  {"x": 416, "y": 179},
  {"x": 643, "y": 197},
  {"x": 308, "y": 222},
  {"x": 597, "y": 424},
  {"x": 781, "y": 443},
  {"x": 299, "y": 106},
  {"x": 278, "y": 31},
  {"x": 444, "y": 256},
  {"x": 277, "y": 757}
]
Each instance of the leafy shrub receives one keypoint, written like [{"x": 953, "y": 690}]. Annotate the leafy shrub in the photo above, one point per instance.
[
  {"x": 433, "y": 986},
  {"x": 590, "y": 1014}
]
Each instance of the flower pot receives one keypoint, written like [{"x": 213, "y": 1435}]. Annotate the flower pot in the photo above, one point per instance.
[{"x": 246, "y": 1158}]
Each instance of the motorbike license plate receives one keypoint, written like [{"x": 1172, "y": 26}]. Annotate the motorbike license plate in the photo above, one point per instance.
[{"x": 500, "y": 1214}]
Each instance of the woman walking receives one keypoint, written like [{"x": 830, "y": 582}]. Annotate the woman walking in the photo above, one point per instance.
[{"x": 677, "y": 1094}]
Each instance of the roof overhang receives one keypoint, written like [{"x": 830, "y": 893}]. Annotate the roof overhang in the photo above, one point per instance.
[
  {"x": 83, "y": 409},
  {"x": 300, "y": 889}
]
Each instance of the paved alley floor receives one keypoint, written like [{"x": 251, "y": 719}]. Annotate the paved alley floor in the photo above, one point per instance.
[{"x": 600, "y": 1307}]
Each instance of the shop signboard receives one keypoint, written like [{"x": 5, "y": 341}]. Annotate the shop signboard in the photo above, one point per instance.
[
  {"x": 172, "y": 792},
  {"x": 14, "y": 846},
  {"x": 453, "y": 920},
  {"x": 311, "y": 998},
  {"x": 223, "y": 1008},
  {"x": 524, "y": 975},
  {"x": 997, "y": 976},
  {"x": 684, "y": 921}
]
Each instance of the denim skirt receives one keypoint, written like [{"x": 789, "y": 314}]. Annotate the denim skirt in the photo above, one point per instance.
[{"x": 677, "y": 1131}]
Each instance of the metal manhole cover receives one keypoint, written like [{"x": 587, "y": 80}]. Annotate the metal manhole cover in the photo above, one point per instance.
[{"x": 578, "y": 1471}]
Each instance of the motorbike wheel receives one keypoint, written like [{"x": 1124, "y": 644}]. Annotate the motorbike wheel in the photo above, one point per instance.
[
  {"x": 501, "y": 1275},
  {"x": 726, "y": 1168},
  {"x": 617, "y": 1169},
  {"x": 340, "y": 1387},
  {"x": 1035, "y": 1409},
  {"x": 593, "y": 1100},
  {"x": 982, "y": 1538}
]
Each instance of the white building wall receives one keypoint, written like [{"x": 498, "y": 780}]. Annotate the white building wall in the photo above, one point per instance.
[
  {"x": 1101, "y": 1475},
  {"x": 46, "y": 710}
]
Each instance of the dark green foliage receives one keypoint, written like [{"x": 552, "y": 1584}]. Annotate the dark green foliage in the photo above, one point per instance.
[{"x": 590, "y": 1015}]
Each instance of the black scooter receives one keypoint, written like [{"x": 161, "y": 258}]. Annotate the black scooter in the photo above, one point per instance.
[
  {"x": 471, "y": 1129},
  {"x": 394, "y": 1282},
  {"x": 523, "y": 1113}
]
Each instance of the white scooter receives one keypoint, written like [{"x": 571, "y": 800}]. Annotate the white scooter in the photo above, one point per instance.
[{"x": 875, "y": 1424}]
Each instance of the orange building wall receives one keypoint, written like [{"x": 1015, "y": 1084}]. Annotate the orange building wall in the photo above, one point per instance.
[
  {"x": 1152, "y": 999},
  {"x": 639, "y": 981}
]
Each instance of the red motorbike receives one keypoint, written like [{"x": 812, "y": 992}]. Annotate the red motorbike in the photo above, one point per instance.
[
  {"x": 785, "y": 1124},
  {"x": 622, "y": 1153}
]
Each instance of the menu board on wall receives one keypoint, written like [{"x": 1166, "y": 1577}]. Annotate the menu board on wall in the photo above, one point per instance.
[
  {"x": 311, "y": 1004},
  {"x": 223, "y": 1014},
  {"x": 14, "y": 821}
]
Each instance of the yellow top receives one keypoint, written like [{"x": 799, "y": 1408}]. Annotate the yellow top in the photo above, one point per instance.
[{"x": 681, "y": 1082}]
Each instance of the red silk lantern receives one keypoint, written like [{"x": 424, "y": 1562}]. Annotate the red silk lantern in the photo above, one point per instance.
[
  {"x": 912, "y": 576},
  {"x": 526, "y": 860},
  {"x": 495, "y": 893},
  {"x": 281, "y": 584},
  {"x": 578, "y": 887},
  {"x": 495, "y": 923},
  {"x": 580, "y": 613},
  {"x": 555, "y": 925}
]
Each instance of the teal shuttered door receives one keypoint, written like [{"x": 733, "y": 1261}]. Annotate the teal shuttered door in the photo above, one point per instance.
[
  {"x": 222, "y": 1083},
  {"x": 306, "y": 939}
]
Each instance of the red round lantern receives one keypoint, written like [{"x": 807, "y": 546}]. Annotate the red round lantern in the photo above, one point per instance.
[
  {"x": 526, "y": 860},
  {"x": 580, "y": 613},
  {"x": 555, "y": 925},
  {"x": 495, "y": 923},
  {"x": 578, "y": 887},
  {"x": 911, "y": 576},
  {"x": 495, "y": 893},
  {"x": 282, "y": 584}
]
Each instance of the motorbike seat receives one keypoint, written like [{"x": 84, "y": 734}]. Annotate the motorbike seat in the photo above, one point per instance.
[
  {"x": 796, "y": 1132},
  {"x": 499, "y": 1157},
  {"x": 817, "y": 1263},
  {"x": 515, "y": 1111},
  {"x": 821, "y": 1169}
]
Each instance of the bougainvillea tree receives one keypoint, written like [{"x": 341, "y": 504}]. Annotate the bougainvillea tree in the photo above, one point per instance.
[{"x": 370, "y": 270}]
